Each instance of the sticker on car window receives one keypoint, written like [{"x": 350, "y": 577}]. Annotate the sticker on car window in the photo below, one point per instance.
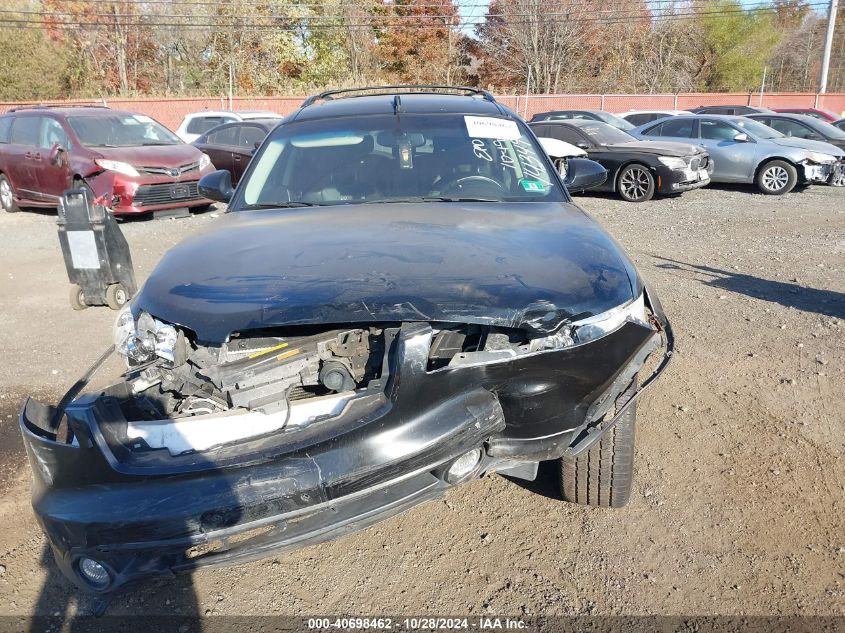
[
  {"x": 533, "y": 186},
  {"x": 490, "y": 127},
  {"x": 142, "y": 118}
]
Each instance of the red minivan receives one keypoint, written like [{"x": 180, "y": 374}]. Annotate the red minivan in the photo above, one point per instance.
[{"x": 130, "y": 162}]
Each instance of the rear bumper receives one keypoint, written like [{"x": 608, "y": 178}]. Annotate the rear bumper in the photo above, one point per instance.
[{"x": 148, "y": 515}]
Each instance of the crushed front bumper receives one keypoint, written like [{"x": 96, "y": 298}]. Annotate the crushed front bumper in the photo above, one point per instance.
[
  {"x": 817, "y": 172},
  {"x": 152, "y": 514},
  {"x": 671, "y": 181}
]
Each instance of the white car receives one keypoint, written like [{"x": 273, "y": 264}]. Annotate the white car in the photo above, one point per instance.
[
  {"x": 560, "y": 152},
  {"x": 641, "y": 117},
  {"x": 197, "y": 123}
]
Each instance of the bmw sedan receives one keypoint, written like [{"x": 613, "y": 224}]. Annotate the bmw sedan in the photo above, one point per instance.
[
  {"x": 746, "y": 151},
  {"x": 637, "y": 170}
]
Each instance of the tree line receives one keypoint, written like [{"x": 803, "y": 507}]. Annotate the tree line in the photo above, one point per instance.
[{"x": 53, "y": 49}]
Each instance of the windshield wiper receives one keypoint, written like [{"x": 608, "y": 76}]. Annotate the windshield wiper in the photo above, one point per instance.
[
  {"x": 281, "y": 205},
  {"x": 431, "y": 199}
]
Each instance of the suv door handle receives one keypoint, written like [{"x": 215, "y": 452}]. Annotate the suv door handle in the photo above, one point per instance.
[
  {"x": 236, "y": 156},
  {"x": 33, "y": 155}
]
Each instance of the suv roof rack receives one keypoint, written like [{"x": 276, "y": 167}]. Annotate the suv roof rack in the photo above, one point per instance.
[
  {"x": 368, "y": 91},
  {"x": 37, "y": 106}
]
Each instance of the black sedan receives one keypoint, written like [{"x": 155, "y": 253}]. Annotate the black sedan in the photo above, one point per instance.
[
  {"x": 735, "y": 110},
  {"x": 230, "y": 146},
  {"x": 587, "y": 115},
  {"x": 637, "y": 170}
]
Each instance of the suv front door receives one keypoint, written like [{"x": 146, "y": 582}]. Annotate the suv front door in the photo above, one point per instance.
[{"x": 54, "y": 176}]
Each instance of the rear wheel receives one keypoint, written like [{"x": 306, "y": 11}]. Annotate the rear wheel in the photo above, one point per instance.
[
  {"x": 7, "y": 196},
  {"x": 776, "y": 178},
  {"x": 635, "y": 183},
  {"x": 602, "y": 476}
]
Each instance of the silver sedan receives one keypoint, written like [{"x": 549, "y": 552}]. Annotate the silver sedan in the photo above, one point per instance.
[{"x": 746, "y": 151}]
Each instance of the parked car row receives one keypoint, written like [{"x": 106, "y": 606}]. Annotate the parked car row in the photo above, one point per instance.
[
  {"x": 130, "y": 162},
  {"x": 776, "y": 151}
]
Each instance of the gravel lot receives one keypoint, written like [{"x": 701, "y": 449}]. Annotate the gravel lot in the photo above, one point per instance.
[{"x": 739, "y": 500}]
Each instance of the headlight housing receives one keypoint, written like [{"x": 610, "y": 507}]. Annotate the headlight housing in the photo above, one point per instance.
[
  {"x": 594, "y": 327},
  {"x": 673, "y": 162},
  {"x": 205, "y": 161},
  {"x": 115, "y": 165},
  {"x": 142, "y": 340},
  {"x": 603, "y": 324},
  {"x": 819, "y": 157}
]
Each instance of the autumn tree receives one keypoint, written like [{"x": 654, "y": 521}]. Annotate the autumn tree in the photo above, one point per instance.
[{"x": 417, "y": 40}]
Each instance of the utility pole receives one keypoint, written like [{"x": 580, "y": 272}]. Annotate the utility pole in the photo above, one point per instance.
[
  {"x": 763, "y": 85},
  {"x": 527, "y": 90},
  {"x": 828, "y": 45}
]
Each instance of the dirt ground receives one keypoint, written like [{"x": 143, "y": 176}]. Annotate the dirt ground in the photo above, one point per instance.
[{"x": 739, "y": 499}]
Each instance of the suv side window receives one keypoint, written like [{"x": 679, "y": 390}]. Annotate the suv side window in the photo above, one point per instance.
[
  {"x": 5, "y": 126},
  {"x": 52, "y": 133},
  {"x": 716, "y": 130},
  {"x": 566, "y": 134},
  {"x": 641, "y": 118},
  {"x": 792, "y": 128},
  {"x": 250, "y": 135},
  {"x": 681, "y": 128},
  {"x": 224, "y": 136},
  {"x": 656, "y": 130},
  {"x": 202, "y": 124},
  {"x": 25, "y": 130}
]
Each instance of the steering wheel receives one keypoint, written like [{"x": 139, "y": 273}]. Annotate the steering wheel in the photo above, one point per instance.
[{"x": 464, "y": 186}]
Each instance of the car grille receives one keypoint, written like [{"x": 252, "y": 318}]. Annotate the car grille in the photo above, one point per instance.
[
  {"x": 163, "y": 193},
  {"x": 170, "y": 171}
]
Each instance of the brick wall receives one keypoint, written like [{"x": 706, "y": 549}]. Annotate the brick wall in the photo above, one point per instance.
[{"x": 170, "y": 111}]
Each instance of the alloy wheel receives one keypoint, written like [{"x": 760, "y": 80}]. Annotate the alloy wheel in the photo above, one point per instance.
[
  {"x": 775, "y": 178},
  {"x": 6, "y": 197},
  {"x": 635, "y": 183}
]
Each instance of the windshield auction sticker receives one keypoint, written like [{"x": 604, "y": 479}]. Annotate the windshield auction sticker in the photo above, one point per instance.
[{"x": 489, "y": 127}]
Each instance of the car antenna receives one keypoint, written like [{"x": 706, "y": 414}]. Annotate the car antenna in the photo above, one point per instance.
[{"x": 397, "y": 104}]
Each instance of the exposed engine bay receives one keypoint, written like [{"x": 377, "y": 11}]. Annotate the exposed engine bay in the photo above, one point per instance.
[{"x": 284, "y": 379}]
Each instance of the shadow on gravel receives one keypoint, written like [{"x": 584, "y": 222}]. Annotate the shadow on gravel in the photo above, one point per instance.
[
  {"x": 793, "y": 295},
  {"x": 546, "y": 484}
]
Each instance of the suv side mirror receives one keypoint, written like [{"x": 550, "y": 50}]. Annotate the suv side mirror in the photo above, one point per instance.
[
  {"x": 582, "y": 173},
  {"x": 216, "y": 186},
  {"x": 55, "y": 155},
  {"x": 742, "y": 137}
]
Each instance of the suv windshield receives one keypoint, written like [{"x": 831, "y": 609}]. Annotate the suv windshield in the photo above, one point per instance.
[
  {"x": 757, "y": 129},
  {"x": 399, "y": 158},
  {"x": 604, "y": 133},
  {"x": 120, "y": 130}
]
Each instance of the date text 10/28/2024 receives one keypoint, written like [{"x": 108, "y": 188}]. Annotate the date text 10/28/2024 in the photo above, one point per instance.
[{"x": 416, "y": 624}]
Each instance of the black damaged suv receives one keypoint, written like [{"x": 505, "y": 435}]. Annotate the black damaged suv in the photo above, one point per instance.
[{"x": 402, "y": 297}]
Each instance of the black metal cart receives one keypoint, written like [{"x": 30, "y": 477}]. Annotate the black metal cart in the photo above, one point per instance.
[{"x": 96, "y": 253}]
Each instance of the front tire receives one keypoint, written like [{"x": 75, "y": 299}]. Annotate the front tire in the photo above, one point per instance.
[
  {"x": 776, "y": 178},
  {"x": 7, "y": 196},
  {"x": 603, "y": 475},
  {"x": 635, "y": 183},
  {"x": 116, "y": 296},
  {"x": 77, "y": 298}
]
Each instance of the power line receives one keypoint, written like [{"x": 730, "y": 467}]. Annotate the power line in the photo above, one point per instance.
[{"x": 381, "y": 21}]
